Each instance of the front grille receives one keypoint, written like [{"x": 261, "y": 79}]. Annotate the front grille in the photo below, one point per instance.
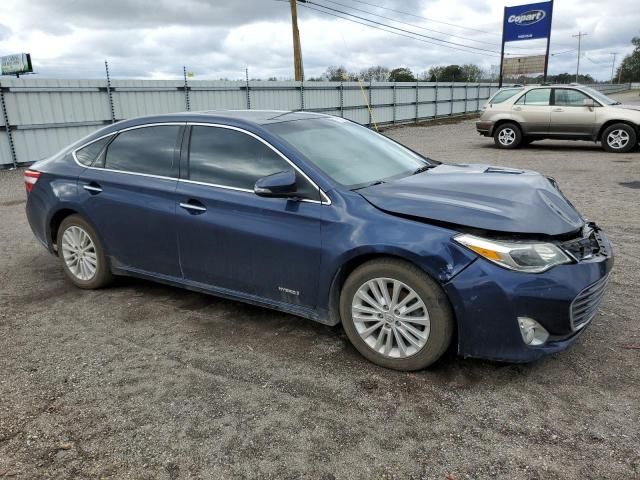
[{"x": 585, "y": 305}]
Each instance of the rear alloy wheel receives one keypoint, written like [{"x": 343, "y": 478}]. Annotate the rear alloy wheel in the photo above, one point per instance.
[
  {"x": 619, "y": 138},
  {"x": 507, "y": 135},
  {"x": 81, "y": 253},
  {"x": 395, "y": 315}
]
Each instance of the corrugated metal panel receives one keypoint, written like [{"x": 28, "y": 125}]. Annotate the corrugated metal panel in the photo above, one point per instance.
[{"x": 47, "y": 114}]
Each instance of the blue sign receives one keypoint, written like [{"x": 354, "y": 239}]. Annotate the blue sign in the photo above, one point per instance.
[{"x": 526, "y": 22}]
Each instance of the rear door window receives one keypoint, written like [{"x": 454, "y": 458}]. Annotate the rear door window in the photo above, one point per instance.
[
  {"x": 148, "y": 150},
  {"x": 538, "y": 96}
]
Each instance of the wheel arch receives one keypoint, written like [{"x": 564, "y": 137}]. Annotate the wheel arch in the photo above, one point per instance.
[
  {"x": 608, "y": 123},
  {"x": 502, "y": 121},
  {"x": 356, "y": 261},
  {"x": 54, "y": 225}
]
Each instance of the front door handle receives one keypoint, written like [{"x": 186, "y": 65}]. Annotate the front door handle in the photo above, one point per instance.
[
  {"x": 193, "y": 206},
  {"x": 93, "y": 188},
  {"x": 558, "y": 110}
]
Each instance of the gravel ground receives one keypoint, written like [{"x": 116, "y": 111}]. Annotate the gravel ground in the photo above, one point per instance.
[{"x": 146, "y": 381}]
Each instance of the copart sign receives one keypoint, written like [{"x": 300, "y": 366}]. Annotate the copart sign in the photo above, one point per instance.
[{"x": 526, "y": 22}]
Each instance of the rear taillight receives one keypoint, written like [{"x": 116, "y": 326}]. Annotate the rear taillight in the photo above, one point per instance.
[{"x": 30, "y": 179}]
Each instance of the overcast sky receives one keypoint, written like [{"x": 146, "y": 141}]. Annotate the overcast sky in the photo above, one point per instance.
[{"x": 218, "y": 39}]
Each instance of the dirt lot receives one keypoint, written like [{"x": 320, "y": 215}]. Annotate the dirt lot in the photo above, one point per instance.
[{"x": 145, "y": 381}]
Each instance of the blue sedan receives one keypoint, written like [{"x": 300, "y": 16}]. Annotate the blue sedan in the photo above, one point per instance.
[{"x": 320, "y": 217}]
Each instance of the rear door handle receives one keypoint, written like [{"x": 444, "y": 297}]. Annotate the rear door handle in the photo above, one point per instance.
[
  {"x": 193, "y": 206},
  {"x": 517, "y": 109},
  {"x": 92, "y": 188}
]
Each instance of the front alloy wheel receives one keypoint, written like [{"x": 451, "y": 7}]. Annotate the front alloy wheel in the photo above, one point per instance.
[
  {"x": 395, "y": 315},
  {"x": 619, "y": 138},
  {"x": 390, "y": 317}
]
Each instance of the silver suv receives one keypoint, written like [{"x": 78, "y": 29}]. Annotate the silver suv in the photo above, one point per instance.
[{"x": 519, "y": 115}]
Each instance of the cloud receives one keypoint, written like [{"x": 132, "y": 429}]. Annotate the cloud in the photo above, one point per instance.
[{"x": 218, "y": 39}]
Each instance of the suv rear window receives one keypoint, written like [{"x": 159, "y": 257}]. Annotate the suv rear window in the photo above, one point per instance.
[
  {"x": 504, "y": 95},
  {"x": 537, "y": 96}
]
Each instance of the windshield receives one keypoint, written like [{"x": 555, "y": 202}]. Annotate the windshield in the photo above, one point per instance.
[
  {"x": 350, "y": 154},
  {"x": 504, "y": 95},
  {"x": 601, "y": 97}
]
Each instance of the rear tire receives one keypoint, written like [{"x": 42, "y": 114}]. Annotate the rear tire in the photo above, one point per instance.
[
  {"x": 424, "y": 329},
  {"x": 82, "y": 255},
  {"x": 619, "y": 138},
  {"x": 508, "y": 136}
]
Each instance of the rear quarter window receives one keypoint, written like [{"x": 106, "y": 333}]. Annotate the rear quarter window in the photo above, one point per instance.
[
  {"x": 504, "y": 95},
  {"x": 89, "y": 154}
]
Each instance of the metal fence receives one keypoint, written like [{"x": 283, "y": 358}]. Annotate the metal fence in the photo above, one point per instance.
[{"x": 39, "y": 117}]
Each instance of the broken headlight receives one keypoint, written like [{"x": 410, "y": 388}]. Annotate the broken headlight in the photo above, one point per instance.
[{"x": 523, "y": 256}]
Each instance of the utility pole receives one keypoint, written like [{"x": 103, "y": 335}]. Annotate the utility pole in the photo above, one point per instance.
[
  {"x": 297, "y": 53},
  {"x": 613, "y": 64},
  {"x": 579, "y": 36}
]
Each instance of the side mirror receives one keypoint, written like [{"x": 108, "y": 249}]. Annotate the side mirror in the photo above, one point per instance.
[
  {"x": 588, "y": 102},
  {"x": 278, "y": 185}
]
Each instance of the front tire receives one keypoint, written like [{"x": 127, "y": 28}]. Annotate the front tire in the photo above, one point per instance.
[
  {"x": 619, "y": 138},
  {"x": 508, "y": 136},
  {"x": 395, "y": 315},
  {"x": 82, "y": 255}
]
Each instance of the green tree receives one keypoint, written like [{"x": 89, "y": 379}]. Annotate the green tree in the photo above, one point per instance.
[
  {"x": 401, "y": 74},
  {"x": 629, "y": 69},
  {"x": 470, "y": 73},
  {"x": 450, "y": 73}
]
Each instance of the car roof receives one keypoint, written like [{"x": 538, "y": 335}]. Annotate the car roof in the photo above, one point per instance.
[{"x": 231, "y": 117}]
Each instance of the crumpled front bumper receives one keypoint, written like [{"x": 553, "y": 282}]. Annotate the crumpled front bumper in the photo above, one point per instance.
[{"x": 488, "y": 300}]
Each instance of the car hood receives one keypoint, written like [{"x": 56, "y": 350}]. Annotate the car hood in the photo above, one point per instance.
[
  {"x": 628, "y": 107},
  {"x": 480, "y": 196}
]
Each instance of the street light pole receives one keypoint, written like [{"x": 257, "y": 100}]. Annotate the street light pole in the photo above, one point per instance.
[
  {"x": 579, "y": 36},
  {"x": 613, "y": 64}
]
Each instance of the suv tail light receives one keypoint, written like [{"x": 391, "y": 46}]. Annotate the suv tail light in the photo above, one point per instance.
[{"x": 30, "y": 179}]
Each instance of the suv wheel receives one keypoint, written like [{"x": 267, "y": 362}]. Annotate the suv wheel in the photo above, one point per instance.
[
  {"x": 618, "y": 138},
  {"x": 395, "y": 315},
  {"x": 82, "y": 254},
  {"x": 507, "y": 135}
]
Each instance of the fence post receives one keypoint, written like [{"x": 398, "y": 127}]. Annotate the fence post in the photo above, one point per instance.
[
  {"x": 5, "y": 116},
  {"x": 302, "y": 94},
  {"x": 451, "y": 100},
  {"x": 417, "y": 99},
  {"x": 394, "y": 102},
  {"x": 186, "y": 89},
  {"x": 109, "y": 94},
  {"x": 370, "y": 104},
  {"x": 341, "y": 98},
  {"x": 246, "y": 76},
  {"x": 466, "y": 93},
  {"x": 435, "y": 104}
]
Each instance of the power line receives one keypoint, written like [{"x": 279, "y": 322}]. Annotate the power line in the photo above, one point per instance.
[
  {"x": 410, "y": 24},
  {"x": 425, "y": 18},
  {"x": 398, "y": 28},
  {"x": 305, "y": 4},
  {"x": 420, "y": 26}
]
